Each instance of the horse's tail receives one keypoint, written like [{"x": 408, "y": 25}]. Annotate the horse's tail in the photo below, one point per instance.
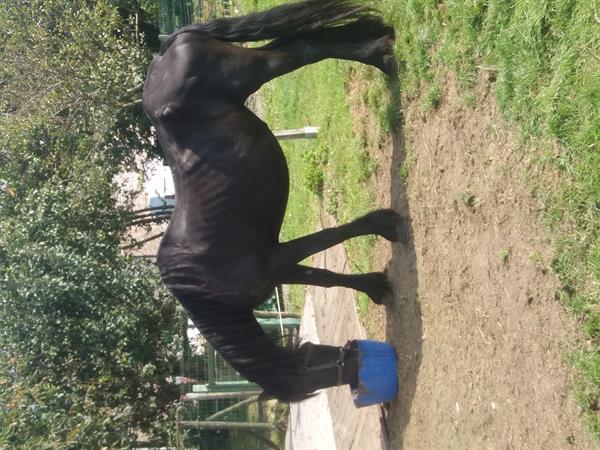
[{"x": 282, "y": 21}]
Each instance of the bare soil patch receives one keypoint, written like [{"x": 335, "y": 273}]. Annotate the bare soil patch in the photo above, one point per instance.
[{"x": 482, "y": 341}]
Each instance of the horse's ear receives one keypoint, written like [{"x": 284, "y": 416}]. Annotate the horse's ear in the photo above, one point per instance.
[
  {"x": 306, "y": 346},
  {"x": 265, "y": 396}
]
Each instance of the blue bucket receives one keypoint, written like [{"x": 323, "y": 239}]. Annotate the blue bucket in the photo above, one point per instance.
[{"x": 377, "y": 374}]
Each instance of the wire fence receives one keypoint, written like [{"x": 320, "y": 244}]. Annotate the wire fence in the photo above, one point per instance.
[
  {"x": 222, "y": 411},
  {"x": 175, "y": 14}
]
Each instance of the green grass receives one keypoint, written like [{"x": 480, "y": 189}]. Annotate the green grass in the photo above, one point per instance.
[
  {"x": 332, "y": 170},
  {"x": 542, "y": 57}
]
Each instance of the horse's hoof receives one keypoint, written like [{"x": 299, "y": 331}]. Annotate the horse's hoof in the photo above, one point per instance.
[
  {"x": 387, "y": 223},
  {"x": 385, "y": 58},
  {"x": 380, "y": 290},
  {"x": 398, "y": 229},
  {"x": 390, "y": 66}
]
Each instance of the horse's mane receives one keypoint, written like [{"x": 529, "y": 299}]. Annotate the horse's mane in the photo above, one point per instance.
[{"x": 237, "y": 336}]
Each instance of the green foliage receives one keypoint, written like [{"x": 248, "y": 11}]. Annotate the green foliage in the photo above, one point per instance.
[
  {"x": 315, "y": 159},
  {"x": 541, "y": 58},
  {"x": 468, "y": 199},
  {"x": 87, "y": 333},
  {"x": 432, "y": 98},
  {"x": 75, "y": 66}
]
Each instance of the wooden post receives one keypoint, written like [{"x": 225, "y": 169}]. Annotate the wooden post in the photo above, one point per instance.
[
  {"x": 201, "y": 425},
  {"x": 275, "y": 315},
  {"x": 224, "y": 412},
  {"x": 257, "y": 314},
  {"x": 274, "y": 323},
  {"x": 298, "y": 133},
  {"x": 225, "y": 386},
  {"x": 178, "y": 428},
  {"x": 210, "y": 366},
  {"x": 194, "y": 396}
]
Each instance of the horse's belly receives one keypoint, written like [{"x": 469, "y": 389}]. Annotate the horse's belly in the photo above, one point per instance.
[{"x": 231, "y": 189}]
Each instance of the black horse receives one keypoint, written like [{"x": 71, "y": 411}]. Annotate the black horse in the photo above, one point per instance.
[{"x": 221, "y": 254}]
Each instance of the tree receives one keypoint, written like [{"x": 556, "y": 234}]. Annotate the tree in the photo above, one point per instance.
[
  {"x": 76, "y": 65},
  {"x": 87, "y": 333}
]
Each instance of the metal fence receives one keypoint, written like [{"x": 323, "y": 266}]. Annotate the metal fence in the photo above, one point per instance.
[
  {"x": 174, "y": 14},
  {"x": 220, "y": 410}
]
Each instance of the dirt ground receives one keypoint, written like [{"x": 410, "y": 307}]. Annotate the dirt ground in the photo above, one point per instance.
[{"x": 482, "y": 342}]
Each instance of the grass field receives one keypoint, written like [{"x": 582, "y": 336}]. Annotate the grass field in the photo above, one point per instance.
[
  {"x": 543, "y": 58},
  {"x": 333, "y": 169}
]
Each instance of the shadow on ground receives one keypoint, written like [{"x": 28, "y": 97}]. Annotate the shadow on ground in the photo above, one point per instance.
[{"x": 404, "y": 325}]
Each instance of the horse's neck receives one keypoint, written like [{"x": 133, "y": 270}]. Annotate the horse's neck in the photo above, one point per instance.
[
  {"x": 284, "y": 373},
  {"x": 237, "y": 336}
]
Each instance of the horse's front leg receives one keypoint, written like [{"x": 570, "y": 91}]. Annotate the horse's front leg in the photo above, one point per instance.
[
  {"x": 384, "y": 222},
  {"x": 375, "y": 285}
]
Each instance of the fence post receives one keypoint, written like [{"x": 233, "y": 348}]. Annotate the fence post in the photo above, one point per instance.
[
  {"x": 235, "y": 426},
  {"x": 298, "y": 133},
  {"x": 195, "y": 396}
]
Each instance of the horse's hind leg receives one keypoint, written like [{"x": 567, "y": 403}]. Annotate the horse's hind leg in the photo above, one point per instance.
[
  {"x": 384, "y": 222},
  {"x": 375, "y": 285},
  {"x": 366, "y": 41}
]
